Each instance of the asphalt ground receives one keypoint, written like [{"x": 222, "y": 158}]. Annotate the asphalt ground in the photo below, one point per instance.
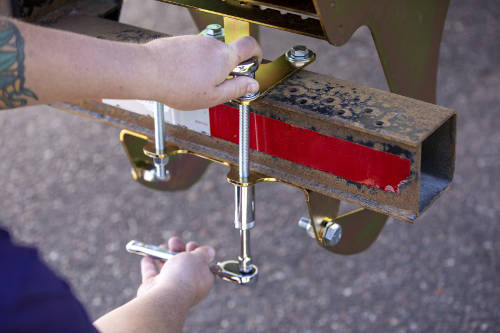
[{"x": 66, "y": 189}]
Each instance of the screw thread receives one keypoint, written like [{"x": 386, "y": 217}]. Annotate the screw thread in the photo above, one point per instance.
[
  {"x": 304, "y": 223},
  {"x": 243, "y": 141}
]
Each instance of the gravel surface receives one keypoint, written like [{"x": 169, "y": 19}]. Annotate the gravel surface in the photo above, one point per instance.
[{"x": 66, "y": 189}]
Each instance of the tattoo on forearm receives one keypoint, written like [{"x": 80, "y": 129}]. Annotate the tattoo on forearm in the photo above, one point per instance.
[{"x": 12, "y": 90}]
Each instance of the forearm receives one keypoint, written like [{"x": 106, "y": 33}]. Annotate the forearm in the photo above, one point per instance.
[
  {"x": 154, "y": 312},
  {"x": 40, "y": 65},
  {"x": 61, "y": 66}
]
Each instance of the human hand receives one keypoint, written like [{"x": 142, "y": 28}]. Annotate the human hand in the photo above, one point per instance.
[
  {"x": 187, "y": 274},
  {"x": 166, "y": 294},
  {"x": 192, "y": 70}
]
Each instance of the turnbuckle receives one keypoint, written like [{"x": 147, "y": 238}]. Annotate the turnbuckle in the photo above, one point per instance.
[{"x": 243, "y": 271}]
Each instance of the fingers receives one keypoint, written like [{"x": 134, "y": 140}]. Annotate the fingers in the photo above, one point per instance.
[
  {"x": 148, "y": 269},
  {"x": 240, "y": 50},
  {"x": 176, "y": 244},
  {"x": 244, "y": 48},
  {"x": 206, "y": 253},
  {"x": 191, "y": 246},
  {"x": 235, "y": 88}
]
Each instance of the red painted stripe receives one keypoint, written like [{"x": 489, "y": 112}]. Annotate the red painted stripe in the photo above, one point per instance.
[{"x": 342, "y": 158}]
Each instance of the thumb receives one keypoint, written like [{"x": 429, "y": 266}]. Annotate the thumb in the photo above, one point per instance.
[
  {"x": 206, "y": 253},
  {"x": 235, "y": 88}
]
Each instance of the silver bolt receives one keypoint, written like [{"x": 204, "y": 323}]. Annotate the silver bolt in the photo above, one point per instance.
[
  {"x": 245, "y": 205},
  {"x": 246, "y": 68},
  {"x": 305, "y": 223},
  {"x": 159, "y": 118},
  {"x": 245, "y": 260},
  {"x": 332, "y": 233},
  {"x": 244, "y": 208},
  {"x": 300, "y": 51},
  {"x": 299, "y": 55},
  {"x": 161, "y": 172},
  {"x": 243, "y": 147},
  {"x": 214, "y": 30}
]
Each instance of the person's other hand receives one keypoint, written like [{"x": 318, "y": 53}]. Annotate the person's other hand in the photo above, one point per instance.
[
  {"x": 192, "y": 71},
  {"x": 167, "y": 292},
  {"x": 187, "y": 274}
]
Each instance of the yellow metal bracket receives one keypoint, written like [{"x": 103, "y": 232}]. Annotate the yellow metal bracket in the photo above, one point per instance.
[
  {"x": 182, "y": 165},
  {"x": 360, "y": 227},
  {"x": 269, "y": 74}
]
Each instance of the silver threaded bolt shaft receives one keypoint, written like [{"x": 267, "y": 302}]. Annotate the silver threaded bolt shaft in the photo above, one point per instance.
[
  {"x": 159, "y": 118},
  {"x": 244, "y": 143},
  {"x": 245, "y": 208},
  {"x": 245, "y": 259}
]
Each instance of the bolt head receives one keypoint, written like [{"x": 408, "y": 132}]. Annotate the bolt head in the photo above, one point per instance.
[
  {"x": 214, "y": 30},
  {"x": 300, "y": 51},
  {"x": 152, "y": 176},
  {"x": 246, "y": 68},
  {"x": 332, "y": 233},
  {"x": 299, "y": 55}
]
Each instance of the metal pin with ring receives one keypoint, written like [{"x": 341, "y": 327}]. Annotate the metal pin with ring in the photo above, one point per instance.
[{"x": 220, "y": 269}]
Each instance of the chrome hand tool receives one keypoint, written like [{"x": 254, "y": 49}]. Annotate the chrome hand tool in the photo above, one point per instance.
[{"x": 221, "y": 270}]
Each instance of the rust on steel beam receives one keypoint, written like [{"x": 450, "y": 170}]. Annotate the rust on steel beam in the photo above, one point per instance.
[
  {"x": 412, "y": 133},
  {"x": 407, "y": 35}
]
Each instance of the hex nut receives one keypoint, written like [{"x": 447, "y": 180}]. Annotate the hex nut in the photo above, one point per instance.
[
  {"x": 300, "y": 51},
  {"x": 332, "y": 233},
  {"x": 299, "y": 55},
  {"x": 214, "y": 30}
]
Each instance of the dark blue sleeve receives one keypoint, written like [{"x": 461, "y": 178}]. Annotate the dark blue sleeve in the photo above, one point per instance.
[{"x": 32, "y": 297}]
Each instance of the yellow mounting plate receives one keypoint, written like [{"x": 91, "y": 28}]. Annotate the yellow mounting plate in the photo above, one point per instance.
[{"x": 269, "y": 74}]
